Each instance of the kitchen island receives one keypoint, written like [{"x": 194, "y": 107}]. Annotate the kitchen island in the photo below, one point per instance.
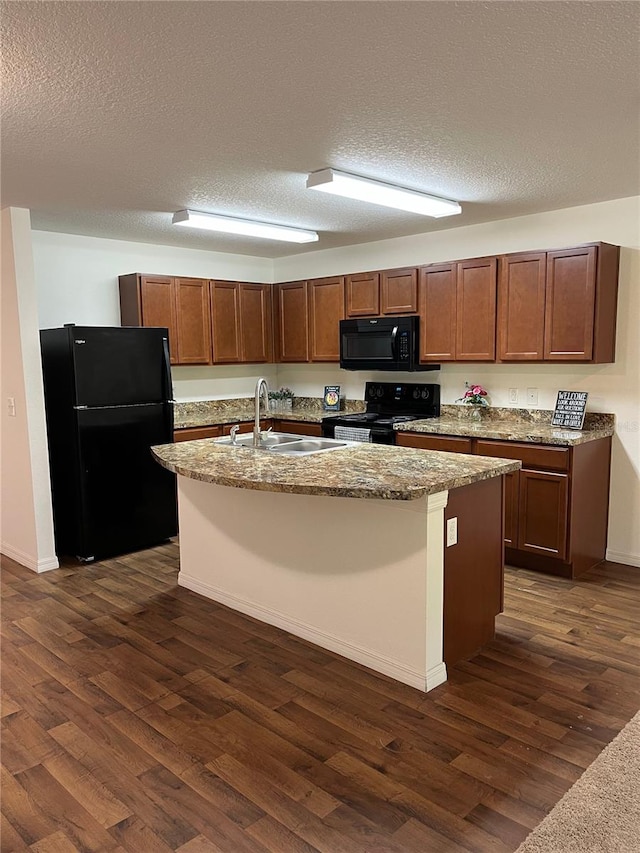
[{"x": 344, "y": 548}]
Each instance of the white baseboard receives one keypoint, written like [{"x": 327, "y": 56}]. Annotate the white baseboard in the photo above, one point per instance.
[
  {"x": 621, "y": 557},
  {"x": 45, "y": 564},
  {"x": 373, "y": 660}
]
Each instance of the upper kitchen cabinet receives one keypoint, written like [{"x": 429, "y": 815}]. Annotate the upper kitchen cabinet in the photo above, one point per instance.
[
  {"x": 581, "y": 300},
  {"x": 521, "y": 302},
  {"x": 437, "y": 308},
  {"x": 457, "y": 303},
  {"x": 362, "y": 294},
  {"x": 292, "y": 321},
  {"x": 180, "y": 304},
  {"x": 326, "y": 309},
  {"x": 240, "y": 322},
  {"x": 559, "y": 305},
  {"x": 192, "y": 320},
  {"x": 399, "y": 291}
]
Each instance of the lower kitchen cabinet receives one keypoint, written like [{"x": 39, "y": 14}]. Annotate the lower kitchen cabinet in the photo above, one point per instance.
[
  {"x": 297, "y": 427},
  {"x": 193, "y": 433},
  {"x": 555, "y": 508}
]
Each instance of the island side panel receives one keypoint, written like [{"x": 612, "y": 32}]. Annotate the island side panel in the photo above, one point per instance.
[
  {"x": 473, "y": 568},
  {"x": 351, "y": 575}
]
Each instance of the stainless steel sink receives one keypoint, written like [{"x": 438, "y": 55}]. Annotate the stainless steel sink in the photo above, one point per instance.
[
  {"x": 271, "y": 439},
  {"x": 287, "y": 444},
  {"x": 305, "y": 446}
]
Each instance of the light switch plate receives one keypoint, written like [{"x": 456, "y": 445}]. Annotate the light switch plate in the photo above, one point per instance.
[{"x": 452, "y": 531}]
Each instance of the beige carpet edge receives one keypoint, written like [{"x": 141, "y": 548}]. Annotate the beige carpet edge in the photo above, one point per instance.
[{"x": 600, "y": 813}]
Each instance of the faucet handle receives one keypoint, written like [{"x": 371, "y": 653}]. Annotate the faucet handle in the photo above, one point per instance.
[{"x": 233, "y": 432}]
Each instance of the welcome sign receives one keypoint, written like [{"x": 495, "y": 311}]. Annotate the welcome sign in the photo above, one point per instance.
[{"x": 570, "y": 409}]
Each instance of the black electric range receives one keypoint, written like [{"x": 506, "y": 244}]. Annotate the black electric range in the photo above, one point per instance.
[{"x": 388, "y": 403}]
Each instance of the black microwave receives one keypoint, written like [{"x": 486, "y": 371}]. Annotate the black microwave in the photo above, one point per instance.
[{"x": 382, "y": 343}]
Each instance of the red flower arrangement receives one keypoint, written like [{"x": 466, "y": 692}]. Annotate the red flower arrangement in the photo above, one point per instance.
[{"x": 475, "y": 395}]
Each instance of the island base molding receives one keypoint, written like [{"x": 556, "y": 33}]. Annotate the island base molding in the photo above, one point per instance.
[{"x": 362, "y": 578}]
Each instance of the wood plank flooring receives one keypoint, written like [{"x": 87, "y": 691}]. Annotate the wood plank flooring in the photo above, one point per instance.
[{"x": 138, "y": 716}]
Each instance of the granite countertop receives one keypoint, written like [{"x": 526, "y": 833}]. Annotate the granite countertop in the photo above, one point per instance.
[
  {"x": 526, "y": 425},
  {"x": 215, "y": 412},
  {"x": 360, "y": 471}
]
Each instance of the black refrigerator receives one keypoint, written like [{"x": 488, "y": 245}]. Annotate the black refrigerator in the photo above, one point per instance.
[{"x": 108, "y": 400}]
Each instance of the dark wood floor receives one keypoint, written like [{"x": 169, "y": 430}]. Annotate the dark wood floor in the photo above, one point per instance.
[{"x": 139, "y": 716}]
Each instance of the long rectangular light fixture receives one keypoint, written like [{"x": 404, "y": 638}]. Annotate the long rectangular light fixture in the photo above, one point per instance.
[
  {"x": 377, "y": 192},
  {"x": 233, "y": 225}
]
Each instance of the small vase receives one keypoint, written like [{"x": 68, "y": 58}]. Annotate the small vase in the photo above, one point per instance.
[{"x": 476, "y": 412}]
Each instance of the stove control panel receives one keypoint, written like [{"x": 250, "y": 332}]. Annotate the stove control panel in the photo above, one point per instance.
[{"x": 402, "y": 397}]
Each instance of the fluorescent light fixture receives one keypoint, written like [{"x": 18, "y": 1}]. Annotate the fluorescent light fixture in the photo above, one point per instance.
[
  {"x": 232, "y": 225},
  {"x": 377, "y": 192}
]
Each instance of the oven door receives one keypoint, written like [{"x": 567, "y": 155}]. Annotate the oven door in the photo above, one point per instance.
[{"x": 370, "y": 434}]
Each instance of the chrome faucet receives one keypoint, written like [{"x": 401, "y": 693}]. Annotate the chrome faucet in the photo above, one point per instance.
[{"x": 262, "y": 390}]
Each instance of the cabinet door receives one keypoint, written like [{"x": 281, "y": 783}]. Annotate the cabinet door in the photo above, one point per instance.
[
  {"x": 326, "y": 309},
  {"x": 570, "y": 304},
  {"x": 192, "y": 320},
  {"x": 225, "y": 322},
  {"x": 511, "y": 503},
  {"x": 157, "y": 298},
  {"x": 448, "y": 443},
  {"x": 362, "y": 292},
  {"x": 399, "y": 291},
  {"x": 292, "y": 321},
  {"x": 194, "y": 433},
  {"x": 298, "y": 427},
  {"x": 542, "y": 515},
  {"x": 437, "y": 308},
  {"x": 521, "y": 297},
  {"x": 255, "y": 322},
  {"x": 476, "y": 309}
]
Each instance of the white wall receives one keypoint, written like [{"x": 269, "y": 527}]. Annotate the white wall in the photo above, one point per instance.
[
  {"x": 612, "y": 387},
  {"x": 77, "y": 280},
  {"x": 77, "y": 277},
  {"x": 27, "y": 520}
]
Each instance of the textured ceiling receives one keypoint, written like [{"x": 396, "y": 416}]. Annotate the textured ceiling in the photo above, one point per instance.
[{"x": 117, "y": 114}]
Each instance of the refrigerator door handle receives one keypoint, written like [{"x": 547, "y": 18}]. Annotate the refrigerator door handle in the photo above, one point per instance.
[{"x": 167, "y": 369}]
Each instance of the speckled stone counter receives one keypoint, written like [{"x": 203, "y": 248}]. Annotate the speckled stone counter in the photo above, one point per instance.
[
  {"x": 363, "y": 471},
  {"x": 533, "y": 426},
  {"x": 216, "y": 412}
]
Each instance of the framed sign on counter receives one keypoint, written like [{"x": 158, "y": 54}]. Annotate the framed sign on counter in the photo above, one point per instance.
[
  {"x": 570, "y": 409},
  {"x": 331, "y": 399}
]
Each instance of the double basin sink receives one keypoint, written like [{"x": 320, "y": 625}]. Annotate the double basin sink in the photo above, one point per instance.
[{"x": 287, "y": 444}]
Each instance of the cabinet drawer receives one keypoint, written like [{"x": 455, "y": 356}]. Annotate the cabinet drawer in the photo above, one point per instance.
[
  {"x": 449, "y": 443},
  {"x": 298, "y": 427},
  {"x": 532, "y": 455},
  {"x": 191, "y": 433}
]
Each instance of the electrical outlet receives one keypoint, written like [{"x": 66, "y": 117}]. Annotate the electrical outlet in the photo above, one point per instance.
[
  {"x": 11, "y": 407},
  {"x": 452, "y": 531},
  {"x": 532, "y": 396},
  {"x": 513, "y": 396}
]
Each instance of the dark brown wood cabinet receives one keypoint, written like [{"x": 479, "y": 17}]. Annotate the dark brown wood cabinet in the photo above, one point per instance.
[
  {"x": 399, "y": 291},
  {"x": 180, "y": 304},
  {"x": 362, "y": 294},
  {"x": 376, "y": 294},
  {"x": 292, "y": 322},
  {"x": 559, "y": 305},
  {"x": 193, "y": 433},
  {"x": 326, "y": 309},
  {"x": 297, "y": 427},
  {"x": 476, "y": 282},
  {"x": 457, "y": 306},
  {"x": 256, "y": 341},
  {"x": 521, "y": 306},
  {"x": 555, "y": 508},
  {"x": 241, "y": 322},
  {"x": 225, "y": 322},
  {"x": 437, "y": 309}
]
